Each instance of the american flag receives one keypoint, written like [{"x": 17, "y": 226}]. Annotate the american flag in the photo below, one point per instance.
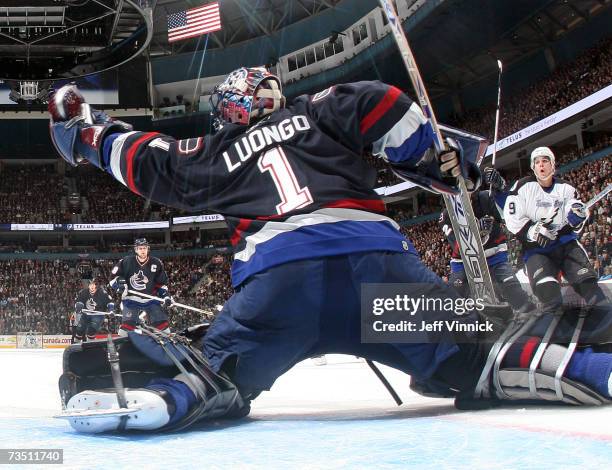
[{"x": 194, "y": 22}]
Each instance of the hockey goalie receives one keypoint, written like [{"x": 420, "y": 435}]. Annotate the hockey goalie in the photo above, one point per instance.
[{"x": 308, "y": 230}]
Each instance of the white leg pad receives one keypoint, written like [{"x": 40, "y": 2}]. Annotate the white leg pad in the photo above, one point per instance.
[{"x": 152, "y": 410}]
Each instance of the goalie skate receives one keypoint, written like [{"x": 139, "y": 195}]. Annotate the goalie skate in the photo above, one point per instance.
[{"x": 95, "y": 411}]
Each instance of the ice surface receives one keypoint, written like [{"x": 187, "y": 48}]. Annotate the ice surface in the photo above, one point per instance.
[{"x": 334, "y": 416}]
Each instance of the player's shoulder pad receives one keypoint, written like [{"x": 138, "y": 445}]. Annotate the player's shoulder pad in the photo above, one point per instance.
[
  {"x": 348, "y": 89},
  {"x": 521, "y": 183}
]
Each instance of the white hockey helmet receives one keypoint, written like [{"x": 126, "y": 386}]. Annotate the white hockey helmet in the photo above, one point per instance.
[
  {"x": 542, "y": 152},
  {"x": 247, "y": 94}
]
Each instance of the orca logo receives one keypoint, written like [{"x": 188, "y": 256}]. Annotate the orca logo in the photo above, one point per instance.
[
  {"x": 90, "y": 304},
  {"x": 189, "y": 146},
  {"x": 139, "y": 281}
]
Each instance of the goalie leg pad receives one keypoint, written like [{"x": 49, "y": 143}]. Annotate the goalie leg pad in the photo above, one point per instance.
[
  {"x": 156, "y": 356},
  {"x": 516, "y": 387},
  {"x": 584, "y": 379},
  {"x": 531, "y": 368}
]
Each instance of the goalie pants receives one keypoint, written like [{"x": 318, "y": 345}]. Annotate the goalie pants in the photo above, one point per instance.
[{"x": 306, "y": 308}]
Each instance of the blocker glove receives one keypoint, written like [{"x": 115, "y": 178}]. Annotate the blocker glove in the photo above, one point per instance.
[{"x": 439, "y": 171}]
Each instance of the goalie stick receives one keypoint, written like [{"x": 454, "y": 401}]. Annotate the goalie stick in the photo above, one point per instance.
[{"x": 459, "y": 207}]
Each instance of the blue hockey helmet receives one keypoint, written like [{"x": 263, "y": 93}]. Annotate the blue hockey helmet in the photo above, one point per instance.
[{"x": 246, "y": 93}]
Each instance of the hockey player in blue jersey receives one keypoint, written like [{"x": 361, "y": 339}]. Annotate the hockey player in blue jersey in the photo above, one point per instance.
[
  {"x": 308, "y": 231},
  {"x": 143, "y": 273},
  {"x": 91, "y": 298}
]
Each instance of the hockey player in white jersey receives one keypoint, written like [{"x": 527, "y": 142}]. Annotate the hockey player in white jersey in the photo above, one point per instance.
[{"x": 545, "y": 215}]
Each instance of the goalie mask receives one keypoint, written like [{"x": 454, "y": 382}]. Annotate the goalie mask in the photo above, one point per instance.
[{"x": 246, "y": 94}]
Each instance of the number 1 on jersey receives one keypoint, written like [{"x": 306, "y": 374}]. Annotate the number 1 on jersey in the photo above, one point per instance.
[{"x": 291, "y": 195}]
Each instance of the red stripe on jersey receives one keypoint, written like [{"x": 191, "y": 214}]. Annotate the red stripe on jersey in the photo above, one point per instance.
[
  {"x": 380, "y": 109},
  {"x": 129, "y": 160},
  {"x": 456, "y": 251},
  {"x": 242, "y": 226},
  {"x": 162, "y": 326},
  {"x": 527, "y": 352},
  {"x": 127, "y": 326},
  {"x": 375, "y": 205}
]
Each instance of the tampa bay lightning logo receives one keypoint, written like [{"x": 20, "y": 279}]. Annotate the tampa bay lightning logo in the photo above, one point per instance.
[
  {"x": 91, "y": 304},
  {"x": 139, "y": 281}
]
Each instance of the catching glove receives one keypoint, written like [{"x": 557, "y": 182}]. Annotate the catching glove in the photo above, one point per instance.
[{"x": 77, "y": 131}]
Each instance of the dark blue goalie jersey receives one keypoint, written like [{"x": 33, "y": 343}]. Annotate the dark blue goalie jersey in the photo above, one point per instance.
[{"x": 292, "y": 186}]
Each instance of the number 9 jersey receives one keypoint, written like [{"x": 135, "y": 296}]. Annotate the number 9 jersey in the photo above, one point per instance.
[{"x": 292, "y": 186}]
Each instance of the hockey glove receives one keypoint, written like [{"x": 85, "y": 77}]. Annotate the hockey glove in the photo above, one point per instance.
[
  {"x": 452, "y": 165},
  {"x": 539, "y": 233},
  {"x": 77, "y": 131},
  {"x": 167, "y": 301},
  {"x": 494, "y": 179},
  {"x": 485, "y": 224},
  {"x": 78, "y": 307},
  {"x": 119, "y": 284},
  {"x": 111, "y": 308},
  {"x": 577, "y": 214}
]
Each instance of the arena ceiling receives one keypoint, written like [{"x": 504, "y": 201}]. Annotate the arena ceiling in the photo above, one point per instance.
[
  {"x": 456, "y": 44},
  {"x": 241, "y": 19}
]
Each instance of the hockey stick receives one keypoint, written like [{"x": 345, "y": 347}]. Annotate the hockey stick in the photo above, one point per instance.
[
  {"x": 598, "y": 197},
  {"x": 459, "y": 207},
  {"x": 499, "y": 77},
  {"x": 206, "y": 313},
  {"x": 495, "y": 132},
  {"x": 95, "y": 313}
]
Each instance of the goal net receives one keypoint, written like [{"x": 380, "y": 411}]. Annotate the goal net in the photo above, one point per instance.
[{"x": 29, "y": 340}]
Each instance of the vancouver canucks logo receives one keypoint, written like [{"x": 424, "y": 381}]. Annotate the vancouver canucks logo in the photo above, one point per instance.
[
  {"x": 139, "y": 281},
  {"x": 91, "y": 304}
]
